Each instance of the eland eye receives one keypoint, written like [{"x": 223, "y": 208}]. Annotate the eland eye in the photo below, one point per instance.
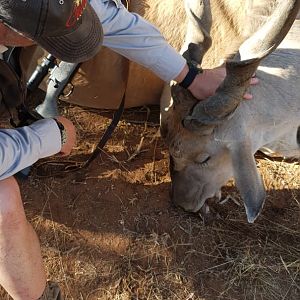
[{"x": 202, "y": 159}]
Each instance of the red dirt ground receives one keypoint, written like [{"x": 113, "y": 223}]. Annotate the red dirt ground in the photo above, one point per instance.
[{"x": 111, "y": 232}]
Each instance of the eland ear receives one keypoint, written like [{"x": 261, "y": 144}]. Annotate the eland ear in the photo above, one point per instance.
[{"x": 248, "y": 180}]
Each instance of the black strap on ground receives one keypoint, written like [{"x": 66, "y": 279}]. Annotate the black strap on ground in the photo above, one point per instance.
[
  {"x": 72, "y": 166},
  {"x": 107, "y": 134},
  {"x": 9, "y": 76},
  {"x": 110, "y": 129},
  {"x": 26, "y": 116}
]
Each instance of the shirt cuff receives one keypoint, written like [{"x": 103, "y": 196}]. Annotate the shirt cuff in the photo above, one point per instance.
[{"x": 49, "y": 136}]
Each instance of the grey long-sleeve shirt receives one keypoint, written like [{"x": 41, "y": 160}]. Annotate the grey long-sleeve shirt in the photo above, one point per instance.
[
  {"x": 133, "y": 37},
  {"x": 126, "y": 33},
  {"x": 21, "y": 147}
]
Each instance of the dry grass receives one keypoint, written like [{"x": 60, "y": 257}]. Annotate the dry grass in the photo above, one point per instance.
[
  {"x": 260, "y": 261},
  {"x": 115, "y": 236}
]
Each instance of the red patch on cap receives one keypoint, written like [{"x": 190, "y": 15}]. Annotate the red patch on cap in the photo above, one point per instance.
[{"x": 77, "y": 11}]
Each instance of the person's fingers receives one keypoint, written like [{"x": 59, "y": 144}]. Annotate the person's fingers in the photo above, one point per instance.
[
  {"x": 254, "y": 80},
  {"x": 247, "y": 96},
  {"x": 221, "y": 71}
]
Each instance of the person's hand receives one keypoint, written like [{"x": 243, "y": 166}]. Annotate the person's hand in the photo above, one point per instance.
[
  {"x": 71, "y": 136},
  {"x": 206, "y": 83}
]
